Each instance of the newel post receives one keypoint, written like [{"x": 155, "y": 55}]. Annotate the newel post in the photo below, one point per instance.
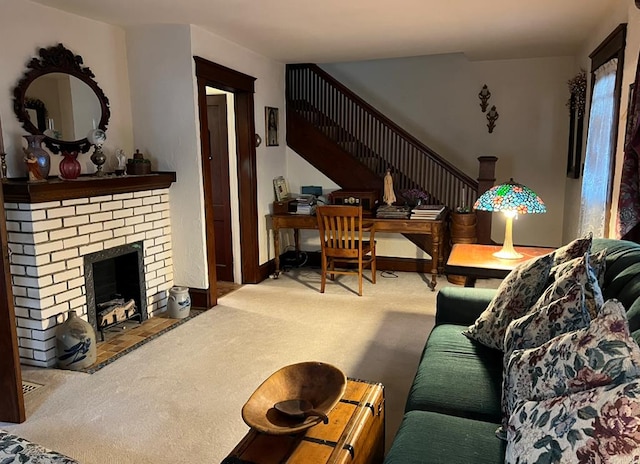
[{"x": 486, "y": 180}]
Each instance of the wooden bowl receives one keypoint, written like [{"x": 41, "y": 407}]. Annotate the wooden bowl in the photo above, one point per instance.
[{"x": 321, "y": 384}]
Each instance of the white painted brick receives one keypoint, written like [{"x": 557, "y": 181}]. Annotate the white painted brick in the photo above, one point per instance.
[
  {"x": 62, "y": 212},
  {"x": 169, "y": 281},
  {"x": 34, "y": 363},
  {"x": 42, "y": 334},
  {"x": 76, "y": 263},
  {"x": 123, "y": 231},
  {"x": 47, "y": 357},
  {"x": 93, "y": 248},
  {"x": 18, "y": 270},
  {"x": 77, "y": 282},
  {"x": 32, "y": 323},
  {"x": 40, "y": 293},
  {"x": 159, "y": 191},
  {"x": 75, "y": 201},
  {"x": 15, "y": 237},
  {"x": 90, "y": 228},
  {"x": 157, "y": 281},
  {"x": 42, "y": 226},
  {"x": 45, "y": 205},
  {"x": 151, "y": 200},
  {"x": 101, "y": 236},
  {"x": 19, "y": 249},
  {"x": 63, "y": 233},
  {"x": 29, "y": 216},
  {"x": 67, "y": 275},
  {"x": 123, "y": 213},
  {"x": 167, "y": 246},
  {"x": 142, "y": 210},
  {"x": 149, "y": 276},
  {"x": 100, "y": 217},
  {"x": 27, "y": 333},
  {"x": 160, "y": 207},
  {"x": 26, "y": 249},
  {"x": 165, "y": 197},
  {"x": 100, "y": 199},
  {"x": 76, "y": 221},
  {"x": 161, "y": 224},
  {"x": 68, "y": 295},
  {"x": 153, "y": 217},
  {"x": 162, "y": 240},
  {"x": 46, "y": 269},
  {"x": 132, "y": 203},
  {"x": 123, "y": 196},
  {"x": 131, "y": 221},
  {"x": 143, "y": 227},
  {"x": 79, "y": 304},
  {"x": 25, "y": 353},
  {"x": 115, "y": 224},
  {"x": 10, "y": 206},
  {"x": 169, "y": 263},
  {"x": 13, "y": 226},
  {"x": 149, "y": 259},
  {"x": 154, "y": 266},
  {"x": 166, "y": 214},
  {"x": 66, "y": 254},
  {"x": 37, "y": 344},
  {"x": 111, "y": 205},
  {"x": 19, "y": 291},
  {"x": 115, "y": 242},
  {"x": 49, "y": 247},
  {"x": 33, "y": 303},
  {"x": 19, "y": 311},
  {"x": 28, "y": 260},
  {"x": 153, "y": 250},
  {"x": 88, "y": 209},
  {"x": 76, "y": 241},
  {"x": 33, "y": 282},
  {"x": 143, "y": 193}
]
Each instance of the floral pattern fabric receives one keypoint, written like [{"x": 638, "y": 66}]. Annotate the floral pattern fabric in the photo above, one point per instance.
[
  {"x": 601, "y": 354},
  {"x": 14, "y": 449},
  {"x": 515, "y": 295},
  {"x": 572, "y": 250},
  {"x": 601, "y": 425}
]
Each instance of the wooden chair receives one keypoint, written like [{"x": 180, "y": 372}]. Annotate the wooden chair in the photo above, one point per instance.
[{"x": 341, "y": 238}]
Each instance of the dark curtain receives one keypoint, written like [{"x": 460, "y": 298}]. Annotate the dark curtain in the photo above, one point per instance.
[{"x": 628, "y": 223}]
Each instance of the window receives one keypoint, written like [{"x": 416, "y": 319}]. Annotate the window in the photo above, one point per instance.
[{"x": 606, "y": 81}]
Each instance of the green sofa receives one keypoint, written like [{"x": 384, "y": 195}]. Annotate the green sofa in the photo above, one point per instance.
[{"x": 453, "y": 408}]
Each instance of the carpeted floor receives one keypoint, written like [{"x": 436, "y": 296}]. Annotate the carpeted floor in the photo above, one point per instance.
[{"x": 177, "y": 398}]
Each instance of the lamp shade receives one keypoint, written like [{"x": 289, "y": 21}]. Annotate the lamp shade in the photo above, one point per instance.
[{"x": 510, "y": 197}]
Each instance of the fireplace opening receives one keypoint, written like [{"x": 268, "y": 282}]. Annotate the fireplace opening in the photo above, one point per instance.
[{"x": 115, "y": 286}]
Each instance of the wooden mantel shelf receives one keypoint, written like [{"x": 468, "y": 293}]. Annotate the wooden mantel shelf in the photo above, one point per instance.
[{"x": 22, "y": 191}]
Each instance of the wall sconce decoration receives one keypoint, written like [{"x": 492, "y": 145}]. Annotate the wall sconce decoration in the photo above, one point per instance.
[
  {"x": 492, "y": 116},
  {"x": 484, "y": 96}
]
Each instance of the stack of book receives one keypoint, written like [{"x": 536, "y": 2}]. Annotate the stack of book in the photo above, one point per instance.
[
  {"x": 306, "y": 204},
  {"x": 393, "y": 212},
  {"x": 429, "y": 212}
]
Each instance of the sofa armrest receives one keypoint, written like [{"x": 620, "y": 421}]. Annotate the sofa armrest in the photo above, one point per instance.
[{"x": 461, "y": 305}]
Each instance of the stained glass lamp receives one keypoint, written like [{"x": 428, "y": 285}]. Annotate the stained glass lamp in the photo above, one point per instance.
[{"x": 512, "y": 199}]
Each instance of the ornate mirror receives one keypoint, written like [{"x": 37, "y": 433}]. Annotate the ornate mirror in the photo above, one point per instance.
[{"x": 58, "y": 97}]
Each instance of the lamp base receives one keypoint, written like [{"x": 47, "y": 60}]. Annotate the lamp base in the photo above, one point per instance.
[{"x": 508, "y": 254}]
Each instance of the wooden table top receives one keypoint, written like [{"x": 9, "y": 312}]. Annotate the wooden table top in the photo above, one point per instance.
[{"x": 468, "y": 259}]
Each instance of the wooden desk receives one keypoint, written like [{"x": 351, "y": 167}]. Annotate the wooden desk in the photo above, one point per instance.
[
  {"x": 473, "y": 261},
  {"x": 435, "y": 229}
]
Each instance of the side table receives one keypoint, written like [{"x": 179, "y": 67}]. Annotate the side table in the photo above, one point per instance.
[
  {"x": 477, "y": 261},
  {"x": 354, "y": 434}
]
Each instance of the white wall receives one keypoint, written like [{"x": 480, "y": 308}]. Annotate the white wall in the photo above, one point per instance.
[
  {"x": 102, "y": 47},
  {"x": 435, "y": 98}
]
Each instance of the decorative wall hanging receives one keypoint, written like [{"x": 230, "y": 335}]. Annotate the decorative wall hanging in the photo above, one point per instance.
[
  {"x": 271, "y": 123},
  {"x": 576, "y": 104},
  {"x": 484, "y": 96},
  {"x": 492, "y": 117}
]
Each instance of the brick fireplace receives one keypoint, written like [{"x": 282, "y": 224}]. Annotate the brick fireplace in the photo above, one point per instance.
[{"x": 49, "y": 240}]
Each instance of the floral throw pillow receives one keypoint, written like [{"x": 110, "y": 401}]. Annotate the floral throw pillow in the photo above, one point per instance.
[
  {"x": 544, "y": 322},
  {"x": 515, "y": 295},
  {"x": 573, "y": 249},
  {"x": 601, "y": 425}
]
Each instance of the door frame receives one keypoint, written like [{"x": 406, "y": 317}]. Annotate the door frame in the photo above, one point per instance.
[{"x": 242, "y": 86}]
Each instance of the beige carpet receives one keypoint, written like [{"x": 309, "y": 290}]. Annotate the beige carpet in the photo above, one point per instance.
[{"x": 178, "y": 398}]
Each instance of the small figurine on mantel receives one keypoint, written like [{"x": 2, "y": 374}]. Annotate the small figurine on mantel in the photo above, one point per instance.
[
  {"x": 32, "y": 168},
  {"x": 389, "y": 196}
]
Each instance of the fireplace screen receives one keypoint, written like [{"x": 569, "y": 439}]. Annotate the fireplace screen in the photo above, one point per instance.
[{"x": 115, "y": 286}]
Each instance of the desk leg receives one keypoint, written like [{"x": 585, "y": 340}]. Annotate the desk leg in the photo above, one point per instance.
[
  {"x": 276, "y": 250},
  {"x": 436, "y": 257}
]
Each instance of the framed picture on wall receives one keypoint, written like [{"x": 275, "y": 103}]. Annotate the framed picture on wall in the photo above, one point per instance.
[{"x": 271, "y": 125}]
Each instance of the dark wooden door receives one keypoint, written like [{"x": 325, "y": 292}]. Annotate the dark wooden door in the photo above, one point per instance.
[
  {"x": 11, "y": 399},
  {"x": 219, "y": 159}
]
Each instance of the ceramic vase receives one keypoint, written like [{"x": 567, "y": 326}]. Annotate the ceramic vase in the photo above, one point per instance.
[
  {"x": 75, "y": 343},
  {"x": 70, "y": 166},
  {"x": 34, "y": 150},
  {"x": 179, "y": 303}
]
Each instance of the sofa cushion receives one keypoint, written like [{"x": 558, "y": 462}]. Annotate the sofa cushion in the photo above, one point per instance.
[
  {"x": 428, "y": 438},
  {"x": 515, "y": 295},
  {"x": 600, "y": 354},
  {"x": 599, "y": 425},
  {"x": 15, "y": 449},
  {"x": 437, "y": 386}
]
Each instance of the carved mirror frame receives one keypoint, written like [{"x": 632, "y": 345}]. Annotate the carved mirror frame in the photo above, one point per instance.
[{"x": 58, "y": 59}]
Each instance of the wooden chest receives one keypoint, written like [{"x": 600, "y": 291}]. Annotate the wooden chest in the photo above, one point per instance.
[{"x": 354, "y": 434}]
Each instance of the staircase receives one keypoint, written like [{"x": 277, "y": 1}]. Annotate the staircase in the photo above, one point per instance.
[{"x": 353, "y": 144}]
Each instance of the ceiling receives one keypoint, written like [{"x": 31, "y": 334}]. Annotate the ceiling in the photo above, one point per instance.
[{"x": 323, "y": 31}]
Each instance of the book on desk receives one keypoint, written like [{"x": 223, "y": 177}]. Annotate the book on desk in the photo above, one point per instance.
[{"x": 429, "y": 212}]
